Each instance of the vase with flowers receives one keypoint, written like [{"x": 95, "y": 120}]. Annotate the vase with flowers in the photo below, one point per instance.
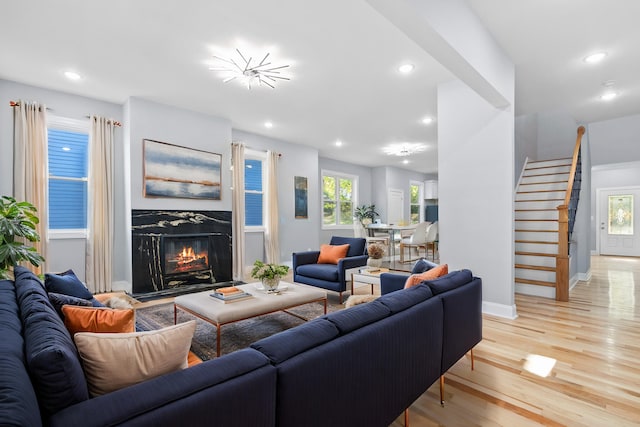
[
  {"x": 269, "y": 274},
  {"x": 375, "y": 252}
]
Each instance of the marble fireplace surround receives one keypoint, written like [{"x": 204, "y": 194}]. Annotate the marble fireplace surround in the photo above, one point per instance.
[{"x": 152, "y": 229}]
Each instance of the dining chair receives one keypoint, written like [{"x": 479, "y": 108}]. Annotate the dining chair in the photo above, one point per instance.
[{"x": 417, "y": 240}]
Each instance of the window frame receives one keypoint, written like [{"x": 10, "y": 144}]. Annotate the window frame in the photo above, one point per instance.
[
  {"x": 250, "y": 154},
  {"x": 420, "y": 203},
  {"x": 68, "y": 125},
  {"x": 354, "y": 198}
]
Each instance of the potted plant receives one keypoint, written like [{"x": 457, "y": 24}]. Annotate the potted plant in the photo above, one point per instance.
[
  {"x": 375, "y": 252},
  {"x": 17, "y": 227},
  {"x": 269, "y": 274},
  {"x": 366, "y": 214}
]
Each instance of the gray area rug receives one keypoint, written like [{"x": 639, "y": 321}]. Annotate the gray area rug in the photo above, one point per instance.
[{"x": 234, "y": 336}]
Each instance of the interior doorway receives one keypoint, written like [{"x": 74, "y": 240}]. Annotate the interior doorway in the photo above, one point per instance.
[
  {"x": 618, "y": 220},
  {"x": 395, "y": 206}
]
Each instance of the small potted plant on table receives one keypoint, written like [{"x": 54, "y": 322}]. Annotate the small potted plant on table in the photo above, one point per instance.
[{"x": 269, "y": 274}]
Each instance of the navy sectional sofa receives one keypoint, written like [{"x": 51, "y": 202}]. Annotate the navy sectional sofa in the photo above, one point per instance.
[{"x": 356, "y": 367}]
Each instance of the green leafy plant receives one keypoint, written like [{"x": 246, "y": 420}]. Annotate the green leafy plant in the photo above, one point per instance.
[
  {"x": 18, "y": 222},
  {"x": 268, "y": 271},
  {"x": 366, "y": 212}
]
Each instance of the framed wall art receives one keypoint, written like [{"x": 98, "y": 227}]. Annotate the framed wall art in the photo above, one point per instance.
[
  {"x": 300, "y": 195},
  {"x": 180, "y": 172}
]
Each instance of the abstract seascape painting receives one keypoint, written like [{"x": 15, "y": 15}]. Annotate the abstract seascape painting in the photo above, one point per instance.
[
  {"x": 181, "y": 172},
  {"x": 300, "y": 195}
]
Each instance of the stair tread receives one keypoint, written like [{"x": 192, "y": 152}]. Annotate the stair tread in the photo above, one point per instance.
[
  {"x": 545, "y": 174},
  {"x": 543, "y": 182},
  {"x": 534, "y": 267},
  {"x": 568, "y": 159},
  {"x": 553, "y": 220},
  {"x": 536, "y": 231},
  {"x": 535, "y": 282},
  {"x": 541, "y": 200},
  {"x": 539, "y": 191},
  {"x": 536, "y": 210},
  {"x": 537, "y": 242},
  {"x": 535, "y": 254}
]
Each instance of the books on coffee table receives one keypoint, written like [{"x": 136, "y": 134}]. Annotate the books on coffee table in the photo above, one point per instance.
[{"x": 230, "y": 294}]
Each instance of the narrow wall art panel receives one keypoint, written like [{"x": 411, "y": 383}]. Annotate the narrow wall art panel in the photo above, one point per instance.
[
  {"x": 175, "y": 171},
  {"x": 300, "y": 195}
]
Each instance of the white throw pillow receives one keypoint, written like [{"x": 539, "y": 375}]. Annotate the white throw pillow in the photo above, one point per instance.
[{"x": 112, "y": 361}]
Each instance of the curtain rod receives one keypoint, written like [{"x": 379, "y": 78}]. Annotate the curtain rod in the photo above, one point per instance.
[
  {"x": 115, "y": 123},
  {"x": 17, "y": 104}
]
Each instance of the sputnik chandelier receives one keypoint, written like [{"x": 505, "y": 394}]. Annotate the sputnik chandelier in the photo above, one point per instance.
[
  {"x": 404, "y": 149},
  {"x": 248, "y": 71}
]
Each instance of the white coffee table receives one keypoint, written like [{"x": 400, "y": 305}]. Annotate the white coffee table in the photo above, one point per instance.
[
  {"x": 367, "y": 277},
  {"x": 203, "y": 306}
]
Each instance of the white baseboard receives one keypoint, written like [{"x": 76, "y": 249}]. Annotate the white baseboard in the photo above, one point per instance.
[
  {"x": 121, "y": 285},
  {"x": 538, "y": 291},
  {"x": 584, "y": 277},
  {"x": 500, "y": 310}
]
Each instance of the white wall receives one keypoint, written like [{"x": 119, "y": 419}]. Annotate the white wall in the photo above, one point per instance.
[
  {"x": 526, "y": 142},
  {"x": 67, "y": 253},
  {"x": 615, "y": 141},
  {"x": 475, "y": 180}
]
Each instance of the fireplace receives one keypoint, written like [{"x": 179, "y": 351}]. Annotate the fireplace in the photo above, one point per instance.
[{"x": 177, "y": 250}]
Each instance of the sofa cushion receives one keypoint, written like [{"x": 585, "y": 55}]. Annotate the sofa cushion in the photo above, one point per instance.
[
  {"x": 58, "y": 300},
  {"x": 114, "y": 361},
  {"x": 331, "y": 254},
  {"x": 66, "y": 283},
  {"x": 430, "y": 274},
  {"x": 18, "y": 402},
  {"x": 356, "y": 244},
  {"x": 51, "y": 356},
  {"x": 422, "y": 265},
  {"x": 450, "y": 281},
  {"x": 358, "y": 316},
  {"x": 405, "y": 298},
  {"x": 328, "y": 272},
  {"x": 96, "y": 319},
  {"x": 291, "y": 342}
]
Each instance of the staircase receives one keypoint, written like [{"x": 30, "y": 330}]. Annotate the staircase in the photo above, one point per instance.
[
  {"x": 542, "y": 189},
  {"x": 545, "y": 205}
]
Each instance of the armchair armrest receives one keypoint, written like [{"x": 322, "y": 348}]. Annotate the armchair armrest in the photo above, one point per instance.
[
  {"x": 391, "y": 282},
  {"x": 350, "y": 262},
  {"x": 302, "y": 258}
]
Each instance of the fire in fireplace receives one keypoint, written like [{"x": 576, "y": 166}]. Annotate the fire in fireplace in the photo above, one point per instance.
[{"x": 185, "y": 253}]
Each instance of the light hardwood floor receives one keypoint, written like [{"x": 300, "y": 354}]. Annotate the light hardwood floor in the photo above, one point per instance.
[{"x": 595, "y": 342}]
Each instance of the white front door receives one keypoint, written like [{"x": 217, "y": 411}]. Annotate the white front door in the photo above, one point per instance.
[
  {"x": 619, "y": 220},
  {"x": 395, "y": 207}
]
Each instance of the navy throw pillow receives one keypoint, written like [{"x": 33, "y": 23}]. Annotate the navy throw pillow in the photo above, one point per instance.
[
  {"x": 66, "y": 283},
  {"x": 449, "y": 281},
  {"x": 58, "y": 300},
  {"x": 421, "y": 266}
]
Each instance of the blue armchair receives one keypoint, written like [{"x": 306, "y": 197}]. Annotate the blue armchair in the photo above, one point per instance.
[
  {"x": 390, "y": 282},
  {"x": 329, "y": 276}
]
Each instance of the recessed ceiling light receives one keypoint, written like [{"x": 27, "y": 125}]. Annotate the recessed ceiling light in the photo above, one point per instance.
[
  {"x": 405, "y": 161},
  {"x": 406, "y": 68},
  {"x": 338, "y": 143},
  {"x": 427, "y": 120},
  {"x": 268, "y": 125},
  {"x": 608, "y": 96},
  {"x": 72, "y": 75},
  {"x": 595, "y": 57}
]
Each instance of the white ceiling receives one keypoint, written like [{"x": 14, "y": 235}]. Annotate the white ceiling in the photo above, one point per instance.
[{"x": 343, "y": 56}]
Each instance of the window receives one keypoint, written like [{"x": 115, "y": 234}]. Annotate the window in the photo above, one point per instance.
[
  {"x": 254, "y": 189},
  {"x": 68, "y": 166},
  {"x": 338, "y": 199},
  {"x": 416, "y": 202}
]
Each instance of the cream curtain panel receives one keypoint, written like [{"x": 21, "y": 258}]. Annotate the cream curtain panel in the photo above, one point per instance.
[
  {"x": 271, "y": 241},
  {"x": 99, "y": 253},
  {"x": 30, "y": 172},
  {"x": 237, "y": 210}
]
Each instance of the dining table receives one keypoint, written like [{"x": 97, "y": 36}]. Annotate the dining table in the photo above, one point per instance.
[{"x": 393, "y": 230}]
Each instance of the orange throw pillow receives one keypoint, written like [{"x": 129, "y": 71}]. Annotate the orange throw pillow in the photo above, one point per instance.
[
  {"x": 331, "y": 254},
  {"x": 434, "y": 273},
  {"x": 92, "y": 319}
]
